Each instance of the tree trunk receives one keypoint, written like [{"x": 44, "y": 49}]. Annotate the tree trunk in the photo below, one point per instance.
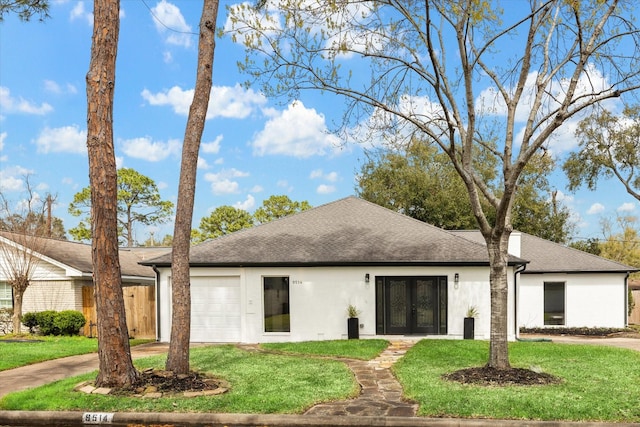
[
  {"x": 18, "y": 295},
  {"x": 498, "y": 256},
  {"x": 178, "y": 357},
  {"x": 115, "y": 364}
]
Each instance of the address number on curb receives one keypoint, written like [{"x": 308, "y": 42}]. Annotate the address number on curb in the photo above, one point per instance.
[{"x": 97, "y": 418}]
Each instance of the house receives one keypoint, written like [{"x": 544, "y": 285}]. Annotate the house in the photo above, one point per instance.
[
  {"x": 293, "y": 279},
  {"x": 62, "y": 280},
  {"x": 562, "y": 286}
]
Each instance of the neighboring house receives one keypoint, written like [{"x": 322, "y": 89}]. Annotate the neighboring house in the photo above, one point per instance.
[{"x": 63, "y": 281}]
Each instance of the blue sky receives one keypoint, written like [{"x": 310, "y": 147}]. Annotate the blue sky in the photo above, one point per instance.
[{"x": 252, "y": 147}]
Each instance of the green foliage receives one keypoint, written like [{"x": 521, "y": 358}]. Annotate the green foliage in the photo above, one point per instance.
[
  {"x": 223, "y": 220},
  {"x": 139, "y": 202},
  {"x": 630, "y": 302},
  {"x": 276, "y": 207},
  {"x": 69, "y": 322},
  {"x": 30, "y": 320},
  {"x": 609, "y": 148},
  {"x": 584, "y": 331},
  {"x": 50, "y": 322},
  {"x": 46, "y": 322},
  {"x": 589, "y": 245},
  {"x": 228, "y": 219},
  {"x": 421, "y": 182}
]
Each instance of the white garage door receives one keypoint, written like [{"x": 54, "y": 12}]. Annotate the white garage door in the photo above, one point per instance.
[{"x": 215, "y": 309}]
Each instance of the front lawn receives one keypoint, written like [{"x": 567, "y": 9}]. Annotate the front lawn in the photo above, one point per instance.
[
  {"x": 24, "y": 350},
  {"x": 599, "y": 383},
  {"x": 353, "y": 349},
  {"x": 260, "y": 383}
]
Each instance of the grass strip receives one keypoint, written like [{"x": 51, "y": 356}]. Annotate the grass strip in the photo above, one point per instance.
[
  {"x": 353, "y": 349},
  {"x": 27, "y": 350}
]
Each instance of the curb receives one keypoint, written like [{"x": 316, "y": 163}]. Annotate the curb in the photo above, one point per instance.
[{"x": 72, "y": 419}]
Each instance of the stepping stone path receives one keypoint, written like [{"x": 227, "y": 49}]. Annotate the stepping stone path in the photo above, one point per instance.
[{"x": 381, "y": 393}]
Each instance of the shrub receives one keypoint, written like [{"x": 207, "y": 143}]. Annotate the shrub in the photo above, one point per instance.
[
  {"x": 30, "y": 320},
  {"x": 6, "y": 322},
  {"x": 69, "y": 322},
  {"x": 45, "y": 320}
]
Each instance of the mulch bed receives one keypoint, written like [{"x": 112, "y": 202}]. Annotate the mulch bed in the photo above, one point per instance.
[
  {"x": 168, "y": 382},
  {"x": 488, "y": 376}
]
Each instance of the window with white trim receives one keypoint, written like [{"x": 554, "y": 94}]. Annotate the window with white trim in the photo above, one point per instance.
[{"x": 6, "y": 295}]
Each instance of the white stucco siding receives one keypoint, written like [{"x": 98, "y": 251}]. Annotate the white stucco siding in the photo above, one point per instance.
[
  {"x": 591, "y": 300},
  {"x": 319, "y": 297}
]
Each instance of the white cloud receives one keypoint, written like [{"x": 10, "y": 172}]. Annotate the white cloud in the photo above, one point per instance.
[
  {"x": 79, "y": 12},
  {"x": 595, "y": 209},
  {"x": 12, "y": 179},
  {"x": 325, "y": 189},
  {"x": 247, "y": 204},
  {"x": 298, "y": 132},
  {"x": 257, "y": 189},
  {"x": 9, "y": 104},
  {"x": 66, "y": 139},
  {"x": 627, "y": 207},
  {"x": 212, "y": 147},
  {"x": 169, "y": 22},
  {"x": 202, "y": 164},
  {"x": 229, "y": 102},
  {"x": 319, "y": 174},
  {"x": 56, "y": 88},
  {"x": 167, "y": 57},
  {"x": 222, "y": 183},
  {"x": 146, "y": 149}
]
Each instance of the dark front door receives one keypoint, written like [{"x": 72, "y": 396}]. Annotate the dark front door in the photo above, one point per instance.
[{"x": 411, "y": 305}]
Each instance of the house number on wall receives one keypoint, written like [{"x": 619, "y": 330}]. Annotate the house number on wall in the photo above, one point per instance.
[
  {"x": 297, "y": 282},
  {"x": 97, "y": 418}
]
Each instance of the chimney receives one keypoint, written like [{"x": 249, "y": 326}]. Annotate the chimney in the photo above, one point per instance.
[{"x": 515, "y": 243}]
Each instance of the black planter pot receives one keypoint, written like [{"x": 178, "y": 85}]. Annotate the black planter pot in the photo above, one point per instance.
[
  {"x": 353, "y": 328},
  {"x": 469, "y": 328}
]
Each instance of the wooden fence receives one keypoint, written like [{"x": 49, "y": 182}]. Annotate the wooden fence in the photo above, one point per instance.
[{"x": 139, "y": 305}]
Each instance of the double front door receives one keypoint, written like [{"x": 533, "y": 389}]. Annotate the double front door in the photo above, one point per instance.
[{"x": 411, "y": 305}]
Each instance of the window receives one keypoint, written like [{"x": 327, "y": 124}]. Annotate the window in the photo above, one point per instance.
[
  {"x": 554, "y": 303},
  {"x": 6, "y": 296},
  {"x": 276, "y": 304}
]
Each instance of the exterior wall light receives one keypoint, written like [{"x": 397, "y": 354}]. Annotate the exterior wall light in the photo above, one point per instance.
[
  {"x": 366, "y": 278},
  {"x": 456, "y": 280}
]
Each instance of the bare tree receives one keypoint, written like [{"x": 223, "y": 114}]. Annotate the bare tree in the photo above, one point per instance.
[
  {"x": 21, "y": 244},
  {"x": 178, "y": 358},
  {"x": 116, "y": 367},
  {"x": 463, "y": 76}
]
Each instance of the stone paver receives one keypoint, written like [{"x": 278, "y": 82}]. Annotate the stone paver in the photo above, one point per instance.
[{"x": 381, "y": 393}]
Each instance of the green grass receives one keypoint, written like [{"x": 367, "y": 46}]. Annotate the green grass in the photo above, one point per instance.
[
  {"x": 15, "y": 354},
  {"x": 599, "y": 383},
  {"x": 353, "y": 349},
  {"x": 260, "y": 383}
]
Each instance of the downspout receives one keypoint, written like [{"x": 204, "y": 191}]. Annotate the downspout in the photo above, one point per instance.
[
  {"x": 520, "y": 269},
  {"x": 157, "y": 302},
  {"x": 626, "y": 300}
]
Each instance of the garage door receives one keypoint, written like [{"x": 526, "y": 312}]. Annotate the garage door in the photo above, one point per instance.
[{"x": 215, "y": 309}]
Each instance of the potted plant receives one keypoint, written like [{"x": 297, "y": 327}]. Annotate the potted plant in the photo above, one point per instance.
[
  {"x": 469, "y": 322},
  {"x": 353, "y": 325}
]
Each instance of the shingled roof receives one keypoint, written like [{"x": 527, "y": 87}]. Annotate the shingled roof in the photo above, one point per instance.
[
  {"x": 349, "y": 231},
  {"x": 545, "y": 256},
  {"x": 77, "y": 256}
]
